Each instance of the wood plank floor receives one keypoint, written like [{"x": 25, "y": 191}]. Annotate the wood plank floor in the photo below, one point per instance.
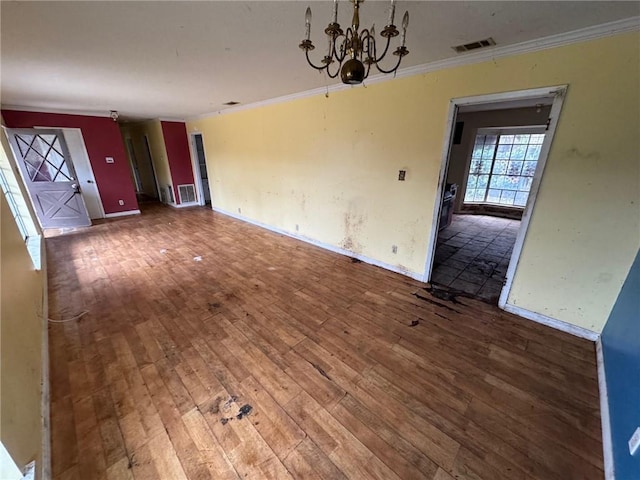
[{"x": 271, "y": 358}]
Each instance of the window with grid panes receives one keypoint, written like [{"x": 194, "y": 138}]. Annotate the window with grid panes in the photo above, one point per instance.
[{"x": 502, "y": 168}]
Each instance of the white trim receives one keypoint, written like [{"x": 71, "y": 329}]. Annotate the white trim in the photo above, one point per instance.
[
  {"x": 326, "y": 246},
  {"x": 582, "y": 35},
  {"x": 554, "y": 116},
  {"x": 171, "y": 119},
  {"x": 59, "y": 111},
  {"x": 122, "y": 214},
  {"x": 605, "y": 419},
  {"x": 45, "y": 406},
  {"x": 183, "y": 205},
  {"x": 552, "y": 322}
]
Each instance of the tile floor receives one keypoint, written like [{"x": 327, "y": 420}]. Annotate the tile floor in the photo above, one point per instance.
[{"x": 473, "y": 253}]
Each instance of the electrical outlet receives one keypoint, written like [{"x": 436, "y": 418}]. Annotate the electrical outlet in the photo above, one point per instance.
[
  {"x": 109, "y": 159},
  {"x": 401, "y": 175},
  {"x": 634, "y": 442},
  {"x": 239, "y": 210},
  {"x": 394, "y": 249},
  {"x": 297, "y": 227},
  {"x": 120, "y": 202}
]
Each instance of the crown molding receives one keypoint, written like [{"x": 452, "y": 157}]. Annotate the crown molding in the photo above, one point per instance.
[
  {"x": 617, "y": 27},
  {"x": 171, "y": 119},
  {"x": 86, "y": 113},
  {"x": 59, "y": 111}
]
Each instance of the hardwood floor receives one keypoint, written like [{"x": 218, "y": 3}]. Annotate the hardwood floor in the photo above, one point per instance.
[{"x": 271, "y": 358}]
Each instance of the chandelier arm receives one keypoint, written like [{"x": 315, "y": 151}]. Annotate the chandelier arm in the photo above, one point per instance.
[
  {"x": 340, "y": 56},
  {"x": 365, "y": 39},
  {"x": 393, "y": 69},
  {"x": 366, "y": 73},
  {"x": 344, "y": 47},
  {"x": 368, "y": 49},
  {"x": 311, "y": 63},
  {"x": 386, "y": 49},
  {"x": 373, "y": 52},
  {"x": 334, "y": 75}
]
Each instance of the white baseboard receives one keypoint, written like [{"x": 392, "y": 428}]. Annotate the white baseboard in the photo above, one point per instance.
[
  {"x": 122, "y": 214},
  {"x": 552, "y": 322},
  {"x": 183, "y": 205},
  {"x": 326, "y": 246},
  {"x": 605, "y": 419}
]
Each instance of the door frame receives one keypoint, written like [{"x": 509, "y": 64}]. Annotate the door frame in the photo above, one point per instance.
[
  {"x": 195, "y": 166},
  {"x": 558, "y": 92},
  {"x": 92, "y": 176}
]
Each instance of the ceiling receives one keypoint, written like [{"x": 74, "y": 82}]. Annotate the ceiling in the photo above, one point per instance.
[{"x": 182, "y": 59}]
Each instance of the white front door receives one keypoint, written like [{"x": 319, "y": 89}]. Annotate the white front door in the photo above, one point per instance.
[{"x": 48, "y": 174}]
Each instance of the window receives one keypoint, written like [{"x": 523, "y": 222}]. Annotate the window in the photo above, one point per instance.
[
  {"x": 17, "y": 204},
  {"x": 13, "y": 206},
  {"x": 502, "y": 167}
]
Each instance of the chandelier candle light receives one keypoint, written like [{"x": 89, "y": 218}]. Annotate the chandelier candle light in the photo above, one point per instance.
[{"x": 353, "y": 51}]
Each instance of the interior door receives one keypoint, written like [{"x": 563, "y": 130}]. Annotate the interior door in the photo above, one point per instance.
[
  {"x": 48, "y": 174},
  {"x": 84, "y": 172}
]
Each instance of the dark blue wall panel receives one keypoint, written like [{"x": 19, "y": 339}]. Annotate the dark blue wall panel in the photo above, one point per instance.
[{"x": 621, "y": 351}]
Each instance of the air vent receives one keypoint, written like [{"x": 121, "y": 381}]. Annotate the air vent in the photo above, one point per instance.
[
  {"x": 187, "y": 193},
  {"x": 231, "y": 103},
  {"x": 467, "y": 47}
]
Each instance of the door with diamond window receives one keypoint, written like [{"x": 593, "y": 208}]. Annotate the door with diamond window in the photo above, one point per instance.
[{"x": 48, "y": 174}]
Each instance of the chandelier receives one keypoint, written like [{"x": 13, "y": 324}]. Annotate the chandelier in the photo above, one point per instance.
[{"x": 354, "y": 52}]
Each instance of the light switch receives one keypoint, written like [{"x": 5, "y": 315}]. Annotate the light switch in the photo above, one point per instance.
[{"x": 109, "y": 159}]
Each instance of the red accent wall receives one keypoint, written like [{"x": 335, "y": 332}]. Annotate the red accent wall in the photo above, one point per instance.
[
  {"x": 102, "y": 139},
  {"x": 177, "y": 144}
]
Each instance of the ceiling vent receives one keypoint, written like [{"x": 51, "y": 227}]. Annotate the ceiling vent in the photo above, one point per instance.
[{"x": 467, "y": 47}]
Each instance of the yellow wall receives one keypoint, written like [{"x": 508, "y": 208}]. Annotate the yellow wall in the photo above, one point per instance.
[
  {"x": 153, "y": 130},
  {"x": 21, "y": 341},
  {"x": 331, "y": 165},
  {"x": 22, "y": 327}
]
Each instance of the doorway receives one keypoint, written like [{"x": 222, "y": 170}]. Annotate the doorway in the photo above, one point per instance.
[
  {"x": 133, "y": 163},
  {"x": 152, "y": 184},
  {"x": 49, "y": 176},
  {"x": 493, "y": 161},
  {"x": 200, "y": 173}
]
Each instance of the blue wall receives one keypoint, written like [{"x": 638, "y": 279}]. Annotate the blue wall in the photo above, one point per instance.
[{"x": 621, "y": 350}]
